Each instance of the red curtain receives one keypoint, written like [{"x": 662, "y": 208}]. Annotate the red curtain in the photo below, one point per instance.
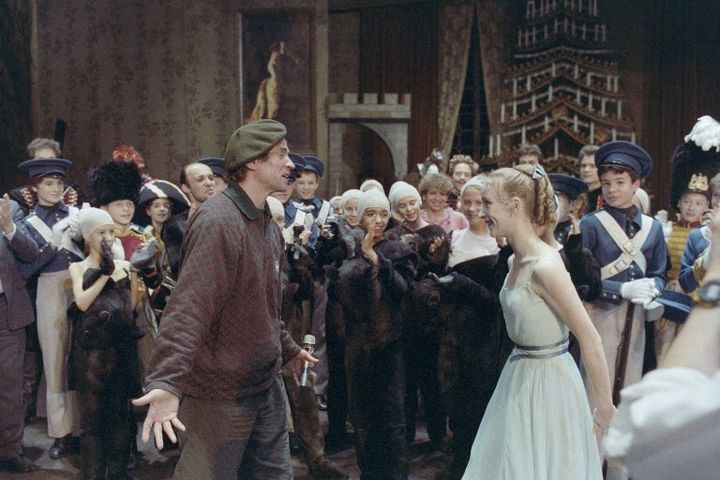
[{"x": 398, "y": 54}]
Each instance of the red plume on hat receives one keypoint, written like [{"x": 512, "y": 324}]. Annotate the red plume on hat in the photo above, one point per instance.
[{"x": 128, "y": 153}]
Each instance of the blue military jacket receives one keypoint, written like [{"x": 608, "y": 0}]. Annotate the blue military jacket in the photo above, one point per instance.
[
  {"x": 598, "y": 241},
  {"x": 314, "y": 209},
  {"x": 694, "y": 247},
  {"x": 49, "y": 260}
]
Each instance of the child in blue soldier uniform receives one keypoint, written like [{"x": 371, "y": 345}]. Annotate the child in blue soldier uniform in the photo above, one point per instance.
[
  {"x": 692, "y": 262},
  {"x": 690, "y": 194},
  {"x": 49, "y": 225},
  {"x": 306, "y": 202},
  {"x": 631, "y": 250},
  {"x": 310, "y": 211},
  {"x": 705, "y": 136}
]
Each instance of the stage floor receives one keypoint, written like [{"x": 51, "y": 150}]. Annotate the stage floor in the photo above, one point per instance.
[{"x": 155, "y": 465}]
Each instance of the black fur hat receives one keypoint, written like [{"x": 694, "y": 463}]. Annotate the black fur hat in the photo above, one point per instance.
[
  {"x": 692, "y": 169},
  {"x": 115, "y": 180}
]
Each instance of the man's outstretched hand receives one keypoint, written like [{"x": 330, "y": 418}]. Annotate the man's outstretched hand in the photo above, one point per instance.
[{"x": 161, "y": 416}]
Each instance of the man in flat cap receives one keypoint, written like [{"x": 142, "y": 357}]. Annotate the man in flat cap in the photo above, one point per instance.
[
  {"x": 221, "y": 343},
  {"x": 631, "y": 250}
]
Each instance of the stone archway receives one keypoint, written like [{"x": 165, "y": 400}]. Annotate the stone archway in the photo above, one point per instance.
[{"x": 389, "y": 120}]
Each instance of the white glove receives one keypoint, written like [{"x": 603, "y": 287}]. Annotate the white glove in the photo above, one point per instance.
[
  {"x": 66, "y": 231},
  {"x": 667, "y": 226},
  {"x": 705, "y": 133},
  {"x": 653, "y": 311},
  {"x": 644, "y": 301},
  {"x": 706, "y": 256},
  {"x": 118, "y": 252},
  {"x": 288, "y": 235},
  {"x": 73, "y": 229},
  {"x": 661, "y": 216},
  {"x": 641, "y": 291},
  {"x": 58, "y": 236},
  {"x": 705, "y": 232}
]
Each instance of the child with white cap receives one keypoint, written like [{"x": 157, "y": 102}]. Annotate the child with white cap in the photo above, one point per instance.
[
  {"x": 349, "y": 207},
  {"x": 371, "y": 287},
  {"x": 298, "y": 287},
  {"x": 103, "y": 354},
  {"x": 421, "y": 343},
  {"x": 474, "y": 241},
  {"x": 97, "y": 229},
  {"x": 406, "y": 202}
]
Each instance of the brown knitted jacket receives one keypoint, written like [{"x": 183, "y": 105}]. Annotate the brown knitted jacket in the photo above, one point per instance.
[{"x": 221, "y": 337}]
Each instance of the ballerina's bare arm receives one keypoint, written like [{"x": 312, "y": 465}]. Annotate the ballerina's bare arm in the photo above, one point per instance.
[{"x": 552, "y": 282}]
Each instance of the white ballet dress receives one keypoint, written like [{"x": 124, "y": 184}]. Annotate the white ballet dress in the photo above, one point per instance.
[{"x": 538, "y": 424}]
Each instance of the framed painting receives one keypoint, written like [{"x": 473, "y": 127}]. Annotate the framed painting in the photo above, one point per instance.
[{"x": 275, "y": 72}]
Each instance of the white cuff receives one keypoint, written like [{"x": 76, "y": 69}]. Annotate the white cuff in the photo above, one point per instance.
[{"x": 11, "y": 235}]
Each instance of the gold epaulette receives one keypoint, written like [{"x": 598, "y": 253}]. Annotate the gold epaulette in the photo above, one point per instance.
[
  {"x": 135, "y": 231},
  {"x": 676, "y": 245}
]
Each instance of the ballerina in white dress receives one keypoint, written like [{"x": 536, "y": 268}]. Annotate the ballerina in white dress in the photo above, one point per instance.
[{"x": 538, "y": 425}]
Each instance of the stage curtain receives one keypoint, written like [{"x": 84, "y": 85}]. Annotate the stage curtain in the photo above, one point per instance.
[
  {"x": 454, "y": 35},
  {"x": 15, "y": 118},
  {"x": 398, "y": 52},
  {"x": 497, "y": 27},
  {"x": 682, "y": 81}
]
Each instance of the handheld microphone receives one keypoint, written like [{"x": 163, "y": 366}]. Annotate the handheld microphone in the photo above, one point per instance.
[{"x": 309, "y": 346}]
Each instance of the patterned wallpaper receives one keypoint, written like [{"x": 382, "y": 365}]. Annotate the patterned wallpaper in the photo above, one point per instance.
[
  {"x": 160, "y": 75},
  {"x": 15, "y": 106}
]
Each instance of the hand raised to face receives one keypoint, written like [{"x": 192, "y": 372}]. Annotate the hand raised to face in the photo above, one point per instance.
[
  {"x": 107, "y": 262},
  {"x": 368, "y": 243}
]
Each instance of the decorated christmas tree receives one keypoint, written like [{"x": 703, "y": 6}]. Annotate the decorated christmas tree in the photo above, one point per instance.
[{"x": 564, "y": 90}]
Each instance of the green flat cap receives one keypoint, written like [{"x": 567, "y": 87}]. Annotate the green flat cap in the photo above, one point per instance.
[{"x": 251, "y": 141}]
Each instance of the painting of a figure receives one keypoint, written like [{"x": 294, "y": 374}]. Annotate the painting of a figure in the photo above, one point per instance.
[{"x": 276, "y": 80}]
